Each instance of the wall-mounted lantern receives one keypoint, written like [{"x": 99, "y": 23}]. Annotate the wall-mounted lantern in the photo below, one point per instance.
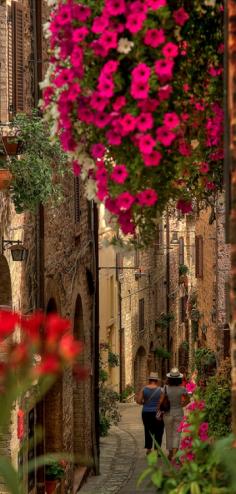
[{"x": 18, "y": 251}]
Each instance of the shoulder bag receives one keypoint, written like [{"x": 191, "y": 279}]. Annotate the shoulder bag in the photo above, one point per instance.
[{"x": 165, "y": 405}]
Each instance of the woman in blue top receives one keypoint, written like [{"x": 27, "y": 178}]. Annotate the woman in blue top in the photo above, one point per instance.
[{"x": 149, "y": 397}]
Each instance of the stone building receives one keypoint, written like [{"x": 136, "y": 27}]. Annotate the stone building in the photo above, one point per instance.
[
  {"x": 60, "y": 273},
  {"x": 197, "y": 299},
  {"x": 132, "y": 302}
]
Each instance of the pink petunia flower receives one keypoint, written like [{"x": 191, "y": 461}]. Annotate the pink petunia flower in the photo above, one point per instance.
[
  {"x": 119, "y": 174},
  {"x": 108, "y": 39},
  {"x": 204, "y": 167},
  {"x": 81, "y": 12},
  {"x": 106, "y": 87},
  {"x": 145, "y": 122},
  {"x": 79, "y": 34},
  {"x": 165, "y": 136},
  {"x": 109, "y": 68},
  {"x": 171, "y": 120},
  {"x": 156, "y": 4},
  {"x": 98, "y": 102},
  {"x": 135, "y": 23},
  {"x": 85, "y": 115},
  {"x": 98, "y": 150},
  {"x": 152, "y": 159},
  {"x": 170, "y": 50},
  {"x": 113, "y": 138},
  {"x": 165, "y": 92},
  {"x": 124, "y": 201},
  {"x": 141, "y": 73},
  {"x": 164, "y": 69},
  {"x": 126, "y": 223},
  {"x": 154, "y": 37},
  {"x": 210, "y": 186},
  {"x": 184, "y": 148},
  {"x": 137, "y": 7},
  {"x": 180, "y": 16},
  {"x": 115, "y": 7},
  {"x": 119, "y": 103},
  {"x": 147, "y": 197},
  {"x": 99, "y": 24},
  {"x": 146, "y": 143},
  {"x": 101, "y": 120},
  {"x": 128, "y": 123},
  {"x": 191, "y": 387},
  {"x": 184, "y": 207},
  {"x": 76, "y": 168},
  {"x": 139, "y": 90},
  {"x": 148, "y": 105}
]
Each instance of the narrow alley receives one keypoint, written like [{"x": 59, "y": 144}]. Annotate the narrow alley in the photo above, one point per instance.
[{"x": 122, "y": 457}]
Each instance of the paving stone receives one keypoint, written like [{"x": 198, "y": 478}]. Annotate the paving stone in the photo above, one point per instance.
[{"x": 122, "y": 458}]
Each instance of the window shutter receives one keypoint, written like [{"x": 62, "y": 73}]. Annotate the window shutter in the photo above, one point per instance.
[
  {"x": 181, "y": 250},
  {"x": 77, "y": 199},
  {"x": 17, "y": 16},
  {"x": 10, "y": 61},
  {"x": 141, "y": 314},
  {"x": 199, "y": 256}
]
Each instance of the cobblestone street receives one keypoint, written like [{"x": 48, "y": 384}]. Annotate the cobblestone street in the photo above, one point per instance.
[{"x": 122, "y": 457}]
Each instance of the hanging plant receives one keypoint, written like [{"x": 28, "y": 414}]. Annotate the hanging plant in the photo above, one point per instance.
[{"x": 132, "y": 92}]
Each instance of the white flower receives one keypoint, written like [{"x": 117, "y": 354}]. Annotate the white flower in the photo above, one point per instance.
[
  {"x": 194, "y": 143},
  {"x": 90, "y": 189},
  {"x": 124, "y": 45}
]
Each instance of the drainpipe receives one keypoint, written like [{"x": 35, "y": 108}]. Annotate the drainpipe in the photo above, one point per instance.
[
  {"x": 40, "y": 408},
  {"x": 95, "y": 339},
  {"x": 168, "y": 280},
  {"x": 120, "y": 336}
]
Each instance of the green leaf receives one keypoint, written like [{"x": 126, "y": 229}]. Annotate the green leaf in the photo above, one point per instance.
[
  {"x": 144, "y": 475},
  {"x": 157, "y": 478},
  {"x": 10, "y": 476},
  {"x": 194, "y": 488}
]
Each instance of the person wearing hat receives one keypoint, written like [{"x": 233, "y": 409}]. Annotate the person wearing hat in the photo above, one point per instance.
[
  {"x": 149, "y": 397},
  {"x": 178, "y": 398}
]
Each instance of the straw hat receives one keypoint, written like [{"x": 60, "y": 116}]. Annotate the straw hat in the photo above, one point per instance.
[
  {"x": 174, "y": 373},
  {"x": 153, "y": 376}
]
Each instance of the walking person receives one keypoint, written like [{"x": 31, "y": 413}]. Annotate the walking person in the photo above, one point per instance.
[
  {"x": 149, "y": 397},
  {"x": 178, "y": 398}
]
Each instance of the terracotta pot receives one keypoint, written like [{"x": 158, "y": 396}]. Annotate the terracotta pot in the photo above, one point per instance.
[
  {"x": 12, "y": 145},
  {"x": 50, "y": 486},
  {"x": 5, "y": 178}
]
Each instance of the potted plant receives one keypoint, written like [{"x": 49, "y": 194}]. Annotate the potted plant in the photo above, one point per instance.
[
  {"x": 54, "y": 472},
  {"x": 183, "y": 270},
  {"x": 11, "y": 145},
  {"x": 36, "y": 175}
]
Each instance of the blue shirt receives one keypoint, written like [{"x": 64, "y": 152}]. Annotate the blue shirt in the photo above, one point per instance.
[{"x": 151, "y": 406}]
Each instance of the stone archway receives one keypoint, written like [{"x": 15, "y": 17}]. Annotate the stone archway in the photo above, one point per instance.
[
  {"x": 140, "y": 368},
  {"x": 79, "y": 389},
  {"x": 5, "y": 284},
  {"x": 53, "y": 406}
]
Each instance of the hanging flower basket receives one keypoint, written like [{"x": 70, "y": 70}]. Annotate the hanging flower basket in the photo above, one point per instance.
[
  {"x": 141, "y": 122},
  {"x": 11, "y": 145},
  {"x": 5, "y": 178}
]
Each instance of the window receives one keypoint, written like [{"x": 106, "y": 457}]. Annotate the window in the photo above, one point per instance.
[
  {"x": 181, "y": 250},
  {"x": 141, "y": 314},
  {"x": 15, "y": 58},
  {"x": 199, "y": 256},
  {"x": 136, "y": 258},
  {"x": 119, "y": 265},
  {"x": 77, "y": 199}
]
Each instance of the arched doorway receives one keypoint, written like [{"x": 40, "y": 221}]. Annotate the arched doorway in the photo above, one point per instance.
[
  {"x": 5, "y": 284},
  {"x": 79, "y": 391},
  {"x": 53, "y": 406},
  {"x": 140, "y": 368}
]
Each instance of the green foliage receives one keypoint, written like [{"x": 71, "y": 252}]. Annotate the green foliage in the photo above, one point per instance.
[
  {"x": 128, "y": 391},
  {"x": 217, "y": 397},
  {"x": 36, "y": 173},
  {"x": 165, "y": 320},
  {"x": 54, "y": 470},
  {"x": 183, "y": 269},
  {"x": 205, "y": 362},
  {"x": 162, "y": 353},
  {"x": 108, "y": 409},
  {"x": 113, "y": 359}
]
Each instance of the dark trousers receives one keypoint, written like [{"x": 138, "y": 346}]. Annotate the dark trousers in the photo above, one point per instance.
[{"x": 152, "y": 427}]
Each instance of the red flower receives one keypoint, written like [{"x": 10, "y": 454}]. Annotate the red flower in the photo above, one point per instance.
[{"x": 8, "y": 323}]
